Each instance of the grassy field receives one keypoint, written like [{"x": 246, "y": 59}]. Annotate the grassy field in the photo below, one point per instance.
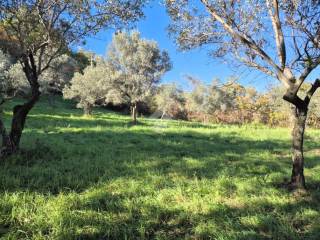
[{"x": 101, "y": 178}]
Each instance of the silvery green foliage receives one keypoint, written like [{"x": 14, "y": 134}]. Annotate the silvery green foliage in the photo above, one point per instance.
[
  {"x": 52, "y": 24},
  {"x": 60, "y": 73},
  {"x": 206, "y": 98},
  {"x": 38, "y": 32},
  {"x": 17, "y": 79},
  {"x": 5, "y": 63},
  {"x": 169, "y": 99},
  {"x": 52, "y": 80},
  {"x": 89, "y": 87},
  {"x": 137, "y": 65}
]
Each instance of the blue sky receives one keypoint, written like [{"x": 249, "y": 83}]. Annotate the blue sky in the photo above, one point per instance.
[{"x": 196, "y": 62}]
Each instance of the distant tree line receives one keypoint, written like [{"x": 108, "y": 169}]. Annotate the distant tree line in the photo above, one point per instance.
[
  {"x": 226, "y": 103},
  {"x": 229, "y": 103}
]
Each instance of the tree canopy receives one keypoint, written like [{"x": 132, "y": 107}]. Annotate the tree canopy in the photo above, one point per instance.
[
  {"x": 279, "y": 38},
  {"x": 89, "y": 87},
  {"x": 139, "y": 65}
]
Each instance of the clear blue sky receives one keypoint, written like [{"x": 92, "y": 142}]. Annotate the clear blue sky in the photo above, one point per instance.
[{"x": 196, "y": 63}]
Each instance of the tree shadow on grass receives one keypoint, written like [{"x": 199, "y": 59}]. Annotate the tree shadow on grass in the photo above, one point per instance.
[
  {"x": 60, "y": 161},
  {"x": 69, "y": 121},
  {"x": 107, "y": 215},
  {"x": 135, "y": 184}
]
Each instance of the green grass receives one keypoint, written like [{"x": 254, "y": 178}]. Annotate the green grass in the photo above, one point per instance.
[{"x": 102, "y": 178}]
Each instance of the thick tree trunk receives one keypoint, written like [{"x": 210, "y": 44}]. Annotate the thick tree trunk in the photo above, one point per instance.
[
  {"x": 87, "y": 109},
  {"x": 11, "y": 142},
  {"x": 134, "y": 112},
  {"x": 300, "y": 116},
  {"x": 20, "y": 113},
  {"x": 297, "y": 176}
]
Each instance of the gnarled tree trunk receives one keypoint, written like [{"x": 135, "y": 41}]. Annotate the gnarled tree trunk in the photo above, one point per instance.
[
  {"x": 300, "y": 117},
  {"x": 297, "y": 176},
  {"x": 20, "y": 113},
  {"x": 11, "y": 141}
]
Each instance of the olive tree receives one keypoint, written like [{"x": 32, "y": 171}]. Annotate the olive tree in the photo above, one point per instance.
[
  {"x": 89, "y": 87},
  {"x": 279, "y": 38},
  {"x": 205, "y": 99},
  {"x": 138, "y": 64},
  {"x": 37, "y": 32},
  {"x": 170, "y": 100}
]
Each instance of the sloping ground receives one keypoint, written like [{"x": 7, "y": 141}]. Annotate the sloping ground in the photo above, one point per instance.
[{"x": 102, "y": 178}]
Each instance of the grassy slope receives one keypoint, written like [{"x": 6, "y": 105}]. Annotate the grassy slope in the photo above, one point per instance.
[{"x": 100, "y": 178}]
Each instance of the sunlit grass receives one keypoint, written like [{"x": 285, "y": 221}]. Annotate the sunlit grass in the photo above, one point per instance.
[{"x": 100, "y": 177}]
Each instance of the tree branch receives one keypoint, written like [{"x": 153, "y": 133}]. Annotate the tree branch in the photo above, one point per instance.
[
  {"x": 255, "y": 65},
  {"x": 276, "y": 23},
  {"x": 311, "y": 91},
  {"x": 309, "y": 69},
  {"x": 246, "y": 41}
]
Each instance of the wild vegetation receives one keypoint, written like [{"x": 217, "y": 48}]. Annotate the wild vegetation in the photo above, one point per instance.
[
  {"x": 100, "y": 177},
  {"x": 229, "y": 103}
]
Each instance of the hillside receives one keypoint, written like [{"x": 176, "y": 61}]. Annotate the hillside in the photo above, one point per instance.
[{"x": 100, "y": 177}]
